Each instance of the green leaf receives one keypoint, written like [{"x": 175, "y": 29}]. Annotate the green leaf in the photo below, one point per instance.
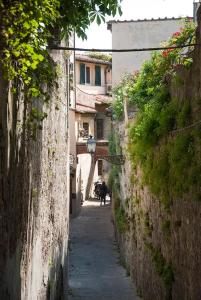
[
  {"x": 40, "y": 57},
  {"x": 98, "y": 19},
  {"x": 34, "y": 65},
  {"x": 26, "y": 25},
  {"x": 16, "y": 53},
  {"x": 120, "y": 10}
]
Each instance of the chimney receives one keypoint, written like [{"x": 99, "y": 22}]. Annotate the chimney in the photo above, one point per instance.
[{"x": 196, "y": 5}]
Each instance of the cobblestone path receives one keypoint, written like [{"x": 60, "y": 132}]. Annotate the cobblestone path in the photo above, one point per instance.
[{"x": 95, "y": 272}]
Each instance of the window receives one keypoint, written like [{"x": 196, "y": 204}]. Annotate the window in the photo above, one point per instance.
[
  {"x": 97, "y": 75},
  {"x": 84, "y": 74},
  {"x": 100, "y": 129},
  {"x": 87, "y": 75},
  {"x": 86, "y": 129},
  {"x": 100, "y": 167},
  {"x": 83, "y": 130}
]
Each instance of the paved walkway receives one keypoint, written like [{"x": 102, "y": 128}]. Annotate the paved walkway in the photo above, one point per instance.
[{"x": 95, "y": 272}]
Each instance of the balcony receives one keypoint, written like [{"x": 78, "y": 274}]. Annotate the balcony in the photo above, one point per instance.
[{"x": 92, "y": 89}]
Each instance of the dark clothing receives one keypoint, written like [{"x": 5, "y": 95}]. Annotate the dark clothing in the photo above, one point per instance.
[
  {"x": 97, "y": 190},
  {"x": 103, "y": 192}
]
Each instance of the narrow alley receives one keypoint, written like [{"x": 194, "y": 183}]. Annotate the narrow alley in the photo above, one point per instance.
[
  {"x": 95, "y": 269},
  {"x": 100, "y": 99}
]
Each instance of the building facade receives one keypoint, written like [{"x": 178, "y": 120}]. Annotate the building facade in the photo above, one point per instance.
[
  {"x": 88, "y": 115},
  {"x": 136, "y": 34}
]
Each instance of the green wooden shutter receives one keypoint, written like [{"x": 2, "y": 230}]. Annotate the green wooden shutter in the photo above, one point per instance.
[
  {"x": 82, "y": 73},
  {"x": 97, "y": 75},
  {"x": 87, "y": 75}
]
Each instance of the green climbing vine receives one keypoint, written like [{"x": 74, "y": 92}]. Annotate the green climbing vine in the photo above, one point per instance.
[
  {"x": 171, "y": 164},
  {"x": 26, "y": 30},
  {"x": 98, "y": 55},
  {"x": 163, "y": 269},
  {"x": 120, "y": 92},
  {"x": 114, "y": 180},
  {"x": 25, "y": 60},
  {"x": 121, "y": 218},
  {"x": 150, "y": 83}
]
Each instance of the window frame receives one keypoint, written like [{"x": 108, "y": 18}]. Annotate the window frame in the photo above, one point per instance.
[
  {"x": 98, "y": 129},
  {"x": 85, "y": 74},
  {"x": 86, "y": 129}
]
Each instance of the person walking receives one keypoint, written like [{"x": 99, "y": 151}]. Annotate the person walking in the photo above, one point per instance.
[{"x": 103, "y": 192}]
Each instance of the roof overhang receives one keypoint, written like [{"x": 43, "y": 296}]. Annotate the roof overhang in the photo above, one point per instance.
[{"x": 85, "y": 58}]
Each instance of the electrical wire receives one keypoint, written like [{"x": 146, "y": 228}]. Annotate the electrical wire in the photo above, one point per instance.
[
  {"x": 187, "y": 127},
  {"x": 92, "y": 94},
  {"x": 129, "y": 50},
  {"x": 85, "y": 92},
  {"x": 121, "y": 50}
]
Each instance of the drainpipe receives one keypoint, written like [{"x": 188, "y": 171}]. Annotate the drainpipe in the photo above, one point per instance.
[
  {"x": 74, "y": 73},
  {"x": 196, "y": 5}
]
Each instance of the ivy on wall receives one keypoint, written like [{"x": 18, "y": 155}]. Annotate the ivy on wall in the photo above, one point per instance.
[
  {"x": 114, "y": 180},
  {"x": 163, "y": 269},
  {"x": 170, "y": 165},
  {"x": 114, "y": 184},
  {"x": 26, "y": 29},
  {"x": 98, "y": 55}
]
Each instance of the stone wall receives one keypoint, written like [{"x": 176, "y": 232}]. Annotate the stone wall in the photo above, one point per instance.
[
  {"x": 160, "y": 247},
  {"x": 34, "y": 200}
]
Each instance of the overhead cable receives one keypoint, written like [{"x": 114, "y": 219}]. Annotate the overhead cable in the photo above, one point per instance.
[
  {"x": 121, "y": 50},
  {"x": 187, "y": 127}
]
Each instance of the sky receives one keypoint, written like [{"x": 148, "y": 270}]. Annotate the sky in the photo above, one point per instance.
[{"x": 100, "y": 37}]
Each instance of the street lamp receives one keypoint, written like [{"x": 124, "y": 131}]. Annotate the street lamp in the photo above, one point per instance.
[
  {"x": 91, "y": 148},
  {"x": 91, "y": 145}
]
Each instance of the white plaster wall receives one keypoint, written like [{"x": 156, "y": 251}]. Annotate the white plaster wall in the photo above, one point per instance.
[
  {"x": 109, "y": 76},
  {"x": 85, "y": 97},
  {"x": 83, "y": 168},
  {"x": 92, "y": 89},
  {"x": 138, "y": 34}
]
